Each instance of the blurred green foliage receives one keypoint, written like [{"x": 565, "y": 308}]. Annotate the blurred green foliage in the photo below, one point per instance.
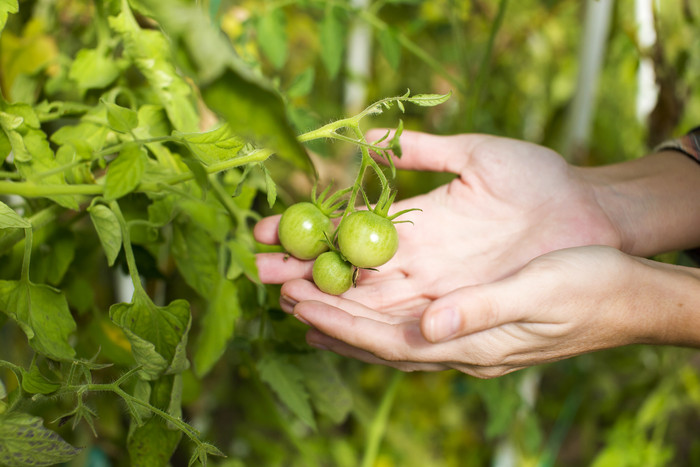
[{"x": 512, "y": 67}]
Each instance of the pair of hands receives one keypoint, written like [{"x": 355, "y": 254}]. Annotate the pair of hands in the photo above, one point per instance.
[{"x": 492, "y": 276}]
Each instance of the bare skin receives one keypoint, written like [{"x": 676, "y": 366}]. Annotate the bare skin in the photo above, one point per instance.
[{"x": 470, "y": 288}]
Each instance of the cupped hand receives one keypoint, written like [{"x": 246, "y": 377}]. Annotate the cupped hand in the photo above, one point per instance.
[
  {"x": 561, "y": 304},
  {"x": 510, "y": 202}
]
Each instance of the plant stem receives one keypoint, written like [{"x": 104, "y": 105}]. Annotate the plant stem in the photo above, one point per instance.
[
  {"x": 27, "y": 254},
  {"x": 33, "y": 190},
  {"x": 379, "y": 423},
  {"x": 128, "y": 251},
  {"x": 38, "y": 220}
]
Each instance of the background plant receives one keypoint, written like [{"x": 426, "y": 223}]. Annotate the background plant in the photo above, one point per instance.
[{"x": 86, "y": 85}]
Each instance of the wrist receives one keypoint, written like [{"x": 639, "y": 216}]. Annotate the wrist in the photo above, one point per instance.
[{"x": 651, "y": 202}]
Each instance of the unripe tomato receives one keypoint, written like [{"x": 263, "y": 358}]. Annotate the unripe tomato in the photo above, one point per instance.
[
  {"x": 301, "y": 230},
  {"x": 331, "y": 273},
  {"x": 367, "y": 239}
]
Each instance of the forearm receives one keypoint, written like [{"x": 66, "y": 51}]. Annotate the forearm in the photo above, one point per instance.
[
  {"x": 654, "y": 201},
  {"x": 666, "y": 305}
]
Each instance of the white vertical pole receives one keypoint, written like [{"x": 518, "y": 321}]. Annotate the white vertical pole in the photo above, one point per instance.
[
  {"x": 359, "y": 60},
  {"x": 591, "y": 55},
  {"x": 647, "y": 89}
]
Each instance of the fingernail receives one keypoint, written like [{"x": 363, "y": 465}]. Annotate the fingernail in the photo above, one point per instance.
[
  {"x": 287, "y": 303},
  {"x": 300, "y": 318},
  {"x": 443, "y": 324}
]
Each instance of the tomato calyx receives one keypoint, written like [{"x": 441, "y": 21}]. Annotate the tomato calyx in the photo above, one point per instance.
[{"x": 329, "y": 205}]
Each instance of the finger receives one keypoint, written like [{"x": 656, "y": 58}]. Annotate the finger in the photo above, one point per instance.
[
  {"x": 296, "y": 291},
  {"x": 469, "y": 310},
  {"x": 423, "y": 151},
  {"x": 321, "y": 341},
  {"x": 393, "y": 342},
  {"x": 278, "y": 268},
  {"x": 265, "y": 231}
]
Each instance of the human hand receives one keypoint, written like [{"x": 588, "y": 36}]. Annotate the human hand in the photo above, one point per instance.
[
  {"x": 510, "y": 202},
  {"x": 561, "y": 304}
]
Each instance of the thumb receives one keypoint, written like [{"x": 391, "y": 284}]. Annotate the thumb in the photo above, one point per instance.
[
  {"x": 472, "y": 309},
  {"x": 423, "y": 151}
]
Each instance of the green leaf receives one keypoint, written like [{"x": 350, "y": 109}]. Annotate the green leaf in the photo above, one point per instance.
[
  {"x": 288, "y": 383},
  {"x": 158, "y": 335},
  {"x": 242, "y": 260},
  {"x": 7, "y": 6},
  {"x": 125, "y": 172},
  {"x": 220, "y": 144},
  {"x": 303, "y": 83},
  {"x": 24, "y": 441},
  {"x": 57, "y": 255},
  {"x": 34, "y": 382},
  {"x": 332, "y": 38},
  {"x": 108, "y": 230},
  {"x": 10, "y": 219},
  {"x": 120, "y": 118},
  {"x": 390, "y": 46},
  {"x": 93, "y": 69},
  {"x": 5, "y": 146},
  {"x": 218, "y": 325},
  {"x": 270, "y": 187},
  {"x": 196, "y": 257},
  {"x": 33, "y": 154},
  {"x": 42, "y": 313},
  {"x": 245, "y": 100},
  {"x": 329, "y": 393},
  {"x": 429, "y": 100},
  {"x": 273, "y": 38},
  {"x": 150, "y": 52},
  {"x": 153, "y": 443},
  {"x": 257, "y": 113}
]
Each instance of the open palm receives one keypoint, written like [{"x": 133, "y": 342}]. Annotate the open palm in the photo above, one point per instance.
[{"x": 510, "y": 202}]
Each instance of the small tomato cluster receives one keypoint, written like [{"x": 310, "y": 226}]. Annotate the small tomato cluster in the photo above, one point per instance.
[{"x": 363, "y": 239}]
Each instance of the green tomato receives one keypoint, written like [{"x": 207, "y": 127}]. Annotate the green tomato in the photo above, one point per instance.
[
  {"x": 367, "y": 239},
  {"x": 332, "y": 274},
  {"x": 302, "y": 230}
]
